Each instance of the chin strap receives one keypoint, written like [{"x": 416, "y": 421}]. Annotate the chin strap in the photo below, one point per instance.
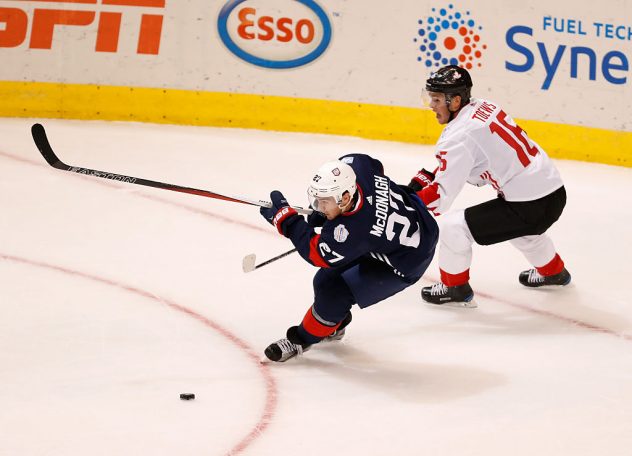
[{"x": 353, "y": 202}]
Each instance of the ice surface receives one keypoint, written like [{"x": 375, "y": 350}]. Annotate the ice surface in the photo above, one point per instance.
[{"x": 116, "y": 298}]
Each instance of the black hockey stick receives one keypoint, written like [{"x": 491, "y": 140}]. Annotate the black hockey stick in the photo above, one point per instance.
[
  {"x": 248, "y": 263},
  {"x": 41, "y": 141}
]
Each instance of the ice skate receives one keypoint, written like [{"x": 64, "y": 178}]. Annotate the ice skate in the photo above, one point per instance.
[
  {"x": 459, "y": 296},
  {"x": 339, "y": 333},
  {"x": 532, "y": 278},
  {"x": 283, "y": 349},
  {"x": 336, "y": 335}
]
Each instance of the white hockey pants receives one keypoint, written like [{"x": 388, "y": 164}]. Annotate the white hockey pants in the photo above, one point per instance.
[{"x": 455, "y": 245}]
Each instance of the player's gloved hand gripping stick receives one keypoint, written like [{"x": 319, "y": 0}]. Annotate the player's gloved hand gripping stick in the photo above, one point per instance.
[{"x": 42, "y": 143}]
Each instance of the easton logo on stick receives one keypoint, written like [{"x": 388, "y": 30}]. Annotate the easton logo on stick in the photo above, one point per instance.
[{"x": 41, "y": 141}]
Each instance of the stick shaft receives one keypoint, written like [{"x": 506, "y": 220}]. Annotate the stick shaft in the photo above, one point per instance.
[
  {"x": 278, "y": 257},
  {"x": 42, "y": 143}
]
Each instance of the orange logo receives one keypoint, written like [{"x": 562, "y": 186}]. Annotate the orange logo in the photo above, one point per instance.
[{"x": 45, "y": 20}]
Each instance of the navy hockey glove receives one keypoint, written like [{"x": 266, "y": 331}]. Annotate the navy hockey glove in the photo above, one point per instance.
[
  {"x": 316, "y": 219},
  {"x": 407, "y": 189},
  {"x": 280, "y": 212},
  {"x": 421, "y": 180}
]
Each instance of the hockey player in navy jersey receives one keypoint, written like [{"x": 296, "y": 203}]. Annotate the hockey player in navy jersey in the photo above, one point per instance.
[
  {"x": 376, "y": 240},
  {"x": 481, "y": 145}
]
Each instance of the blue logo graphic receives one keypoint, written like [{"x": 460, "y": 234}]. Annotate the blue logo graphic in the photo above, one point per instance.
[
  {"x": 581, "y": 61},
  {"x": 449, "y": 37},
  {"x": 264, "y": 31}
]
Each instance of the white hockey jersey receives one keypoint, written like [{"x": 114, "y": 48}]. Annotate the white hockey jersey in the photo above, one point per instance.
[{"x": 481, "y": 146}]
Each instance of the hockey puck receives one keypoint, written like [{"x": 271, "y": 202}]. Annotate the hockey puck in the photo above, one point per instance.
[{"x": 187, "y": 396}]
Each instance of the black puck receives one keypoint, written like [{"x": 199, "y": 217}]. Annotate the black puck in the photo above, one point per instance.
[{"x": 187, "y": 396}]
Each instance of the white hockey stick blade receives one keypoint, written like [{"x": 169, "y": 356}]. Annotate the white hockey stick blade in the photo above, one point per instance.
[{"x": 248, "y": 263}]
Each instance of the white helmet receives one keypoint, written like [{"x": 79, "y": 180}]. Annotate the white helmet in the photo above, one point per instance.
[{"x": 333, "y": 179}]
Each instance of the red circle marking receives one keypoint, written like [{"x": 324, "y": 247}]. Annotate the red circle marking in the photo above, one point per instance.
[
  {"x": 449, "y": 43},
  {"x": 264, "y": 370}
]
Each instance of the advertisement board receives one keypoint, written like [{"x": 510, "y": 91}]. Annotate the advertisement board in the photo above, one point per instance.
[{"x": 314, "y": 65}]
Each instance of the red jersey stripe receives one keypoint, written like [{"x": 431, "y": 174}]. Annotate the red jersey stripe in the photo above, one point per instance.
[{"x": 314, "y": 255}]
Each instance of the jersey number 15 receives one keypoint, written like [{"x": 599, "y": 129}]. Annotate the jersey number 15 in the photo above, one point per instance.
[{"x": 518, "y": 141}]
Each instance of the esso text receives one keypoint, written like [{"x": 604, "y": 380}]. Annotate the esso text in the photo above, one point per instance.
[{"x": 267, "y": 28}]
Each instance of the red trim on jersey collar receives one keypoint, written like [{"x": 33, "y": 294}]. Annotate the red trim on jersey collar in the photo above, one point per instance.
[{"x": 358, "y": 205}]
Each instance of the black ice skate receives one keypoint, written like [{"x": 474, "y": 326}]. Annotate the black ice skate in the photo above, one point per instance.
[
  {"x": 283, "y": 349},
  {"x": 340, "y": 332},
  {"x": 336, "y": 335},
  {"x": 459, "y": 296},
  {"x": 532, "y": 278}
]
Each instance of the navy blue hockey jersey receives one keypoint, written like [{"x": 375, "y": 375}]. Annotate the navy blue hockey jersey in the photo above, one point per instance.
[{"x": 386, "y": 224}]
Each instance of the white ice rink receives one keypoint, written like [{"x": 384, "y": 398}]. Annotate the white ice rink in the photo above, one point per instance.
[{"x": 116, "y": 298}]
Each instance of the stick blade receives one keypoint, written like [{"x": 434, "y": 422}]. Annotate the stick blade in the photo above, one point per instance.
[
  {"x": 248, "y": 263},
  {"x": 41, "y": 141}
]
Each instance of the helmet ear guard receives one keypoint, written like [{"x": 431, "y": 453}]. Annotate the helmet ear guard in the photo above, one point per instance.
[{"x": 332, "y": 180}]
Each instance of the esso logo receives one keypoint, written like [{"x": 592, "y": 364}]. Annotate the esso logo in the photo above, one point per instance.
[{"x": 275, "y": 33}]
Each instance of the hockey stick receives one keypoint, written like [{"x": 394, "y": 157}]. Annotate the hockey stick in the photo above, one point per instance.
[
  {"x": 41, "y": 141},
  {"x": 248, "y": 263}
]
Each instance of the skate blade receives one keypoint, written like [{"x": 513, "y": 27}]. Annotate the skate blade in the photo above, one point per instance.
[{"x": 459, "y": 305}]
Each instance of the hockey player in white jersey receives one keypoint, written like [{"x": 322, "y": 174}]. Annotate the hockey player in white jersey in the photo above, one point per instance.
[{"x": 482, "y": 145}]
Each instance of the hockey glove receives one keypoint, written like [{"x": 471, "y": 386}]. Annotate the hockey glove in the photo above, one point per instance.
[
  {"x": 316, "y": 219},
  {"x": 407, "y": 189},
  {"x": 421, "y": 180},
  {"x": 280, "y": 212}
]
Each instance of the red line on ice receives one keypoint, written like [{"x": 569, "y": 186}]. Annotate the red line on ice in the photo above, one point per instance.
[
  {"x": 270, "y": 382},
  {"x": 112, "y": 184},
  {"x": 546, "y": 313}
]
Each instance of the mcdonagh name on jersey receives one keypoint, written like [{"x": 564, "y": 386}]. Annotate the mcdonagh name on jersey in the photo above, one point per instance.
[{"x": 381, "y": 205}]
